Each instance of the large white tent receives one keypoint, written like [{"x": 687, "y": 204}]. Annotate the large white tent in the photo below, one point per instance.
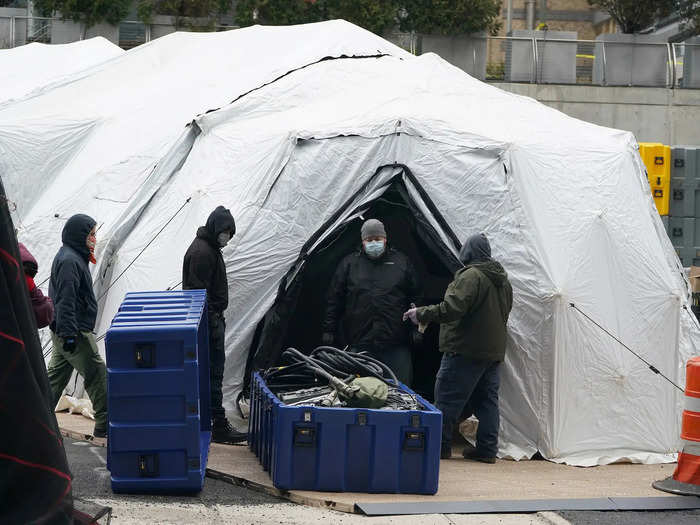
[
  {"x": 89, "y": 144},
  {"x": 565, "y": 204},
  {"x": 34, "y": 68}
]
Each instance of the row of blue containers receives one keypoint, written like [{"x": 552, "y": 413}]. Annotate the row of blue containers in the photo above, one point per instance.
[
  {"x": 158, "y": 393},
  {"x": 345, "y": 449},
  {"x": 160, "y": 428}
]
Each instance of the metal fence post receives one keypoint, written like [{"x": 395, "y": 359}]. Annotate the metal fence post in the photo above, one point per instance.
[
  {"x": 672, "y": 64},
  {"x": 12, "y": 31},
  {"x": 533, "y": 76},
  {"x": 605, "y": 64}
]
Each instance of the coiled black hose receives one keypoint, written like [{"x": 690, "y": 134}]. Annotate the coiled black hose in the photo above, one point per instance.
[{"x": 307, "y": 371}]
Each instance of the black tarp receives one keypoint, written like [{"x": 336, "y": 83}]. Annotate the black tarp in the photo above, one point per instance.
[{"x": 35, "y": 482}]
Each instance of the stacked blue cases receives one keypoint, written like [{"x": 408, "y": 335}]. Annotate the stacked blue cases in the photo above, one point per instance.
[
  {"x": 158, "y": 393},
  {"x": 345, "y": 449}
]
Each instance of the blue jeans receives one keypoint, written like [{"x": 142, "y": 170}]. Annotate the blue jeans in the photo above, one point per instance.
[{"x": 460, "y": 382}]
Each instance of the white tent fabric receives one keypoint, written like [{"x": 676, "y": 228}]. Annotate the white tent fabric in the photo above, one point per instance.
[
  {"x": 31, "y": 69},
  {"x": 565, "y": 204},
  {"x": 89, "y": 144}
]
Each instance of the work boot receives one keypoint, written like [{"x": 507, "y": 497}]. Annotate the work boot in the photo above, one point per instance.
[
  {"x": 474, "y": 455},
  {"x": 223, "y": 432},
  {"x": 99, "y": 432}
]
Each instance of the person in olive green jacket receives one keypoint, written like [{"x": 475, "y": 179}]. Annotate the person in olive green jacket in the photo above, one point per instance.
[{"x": 473, "y": 318}]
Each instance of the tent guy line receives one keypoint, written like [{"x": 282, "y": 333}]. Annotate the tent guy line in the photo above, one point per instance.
[
  {"x": 651, "y": 366},
  {"x": 187, "y": 201}
]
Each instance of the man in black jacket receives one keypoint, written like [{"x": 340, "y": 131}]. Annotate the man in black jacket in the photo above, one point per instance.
[
  {"x": 74, "y": 345},
  {"x": 204, "y": 269},
  {"x": 368, "y": 295}
]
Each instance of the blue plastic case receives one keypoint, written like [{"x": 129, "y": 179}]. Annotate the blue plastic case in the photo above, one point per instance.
[
  {"x": 158, "y": 393},
  {"x": 345, "y": 449}
]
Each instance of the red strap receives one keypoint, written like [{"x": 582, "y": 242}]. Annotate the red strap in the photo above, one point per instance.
[
  {"x": 11, "y": 259},
  {"x": 36, "y": 466}
]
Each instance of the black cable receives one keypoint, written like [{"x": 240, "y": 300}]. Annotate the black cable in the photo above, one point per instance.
[
  {"x": 43, "y": 348},
  {"x": 692, "y": 315},
  {"x": 355, "y": 362},
  {"x": 144, "y": 248},
  {"x": 303, "y": 372},
  {"x": 173, "y": 286},
  {"x": 326, "y": 364},
  {"x": 651, "y": 367},
  {"x": 130, "y": 264}
]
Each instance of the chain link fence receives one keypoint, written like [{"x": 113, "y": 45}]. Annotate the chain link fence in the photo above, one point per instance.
[
  {"x": 593, "y": 62},
  {"x": 492, "y": 58}
]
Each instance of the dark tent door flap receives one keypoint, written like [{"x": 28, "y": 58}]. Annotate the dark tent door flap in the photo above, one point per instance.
[{"x": 296, "y": 316}]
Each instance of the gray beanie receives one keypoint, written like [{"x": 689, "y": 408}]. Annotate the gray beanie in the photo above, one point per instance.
[{"x": 372, "y": 228}]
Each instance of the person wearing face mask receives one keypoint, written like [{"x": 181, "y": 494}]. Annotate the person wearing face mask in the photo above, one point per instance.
[
  {"x": 368, "y": 294},
  {"x": 74, "y": 345},
  {"x": 203, "y": 269},
  {"x": 473, "y": 318}
]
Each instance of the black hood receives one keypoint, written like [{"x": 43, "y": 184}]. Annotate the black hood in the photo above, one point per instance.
[
  {"x": 219, "y": 220},
  {"x": 494, "y": 271},
  {"x": 75, "y": 233},
  {"x": 476, "y": 249}
]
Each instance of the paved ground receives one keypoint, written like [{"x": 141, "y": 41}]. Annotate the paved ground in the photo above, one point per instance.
[{"x": 221, "y": 502}]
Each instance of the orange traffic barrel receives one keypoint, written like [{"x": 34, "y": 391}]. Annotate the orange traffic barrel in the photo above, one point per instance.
[{"x": 686, "y": 478}]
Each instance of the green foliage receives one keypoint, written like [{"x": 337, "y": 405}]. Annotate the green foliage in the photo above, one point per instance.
[
  {"x": 634, "y": 15},
  {"x": 378, "y": 16},
  {"x": 90, "y": 12},
  {"x": 278, "y": 12},
  {"x": 495, "y": 71},
  {"x": 183, "y": 10},
  {"x": 690, "y": 12},
  {"x": 451, "y": 17}
]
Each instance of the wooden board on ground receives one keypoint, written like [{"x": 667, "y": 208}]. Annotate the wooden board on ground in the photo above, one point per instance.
[
  {"x": 79, "y": 427},
  {"x": 460, "y": 480}
]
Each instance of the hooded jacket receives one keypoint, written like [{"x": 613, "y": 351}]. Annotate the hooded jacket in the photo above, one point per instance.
[
  {"x": 203, "y": 267},
  {"x": 367, "y": 297},
  {"x": 474, "y": 312},
  {"x": 42, "y": 305},
  {"x": 70, "y": 285}
]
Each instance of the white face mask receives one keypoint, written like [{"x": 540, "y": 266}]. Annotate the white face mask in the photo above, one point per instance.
[
  {"x": 223, "y": 238},
  {"x": 374, "y": 249}
]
